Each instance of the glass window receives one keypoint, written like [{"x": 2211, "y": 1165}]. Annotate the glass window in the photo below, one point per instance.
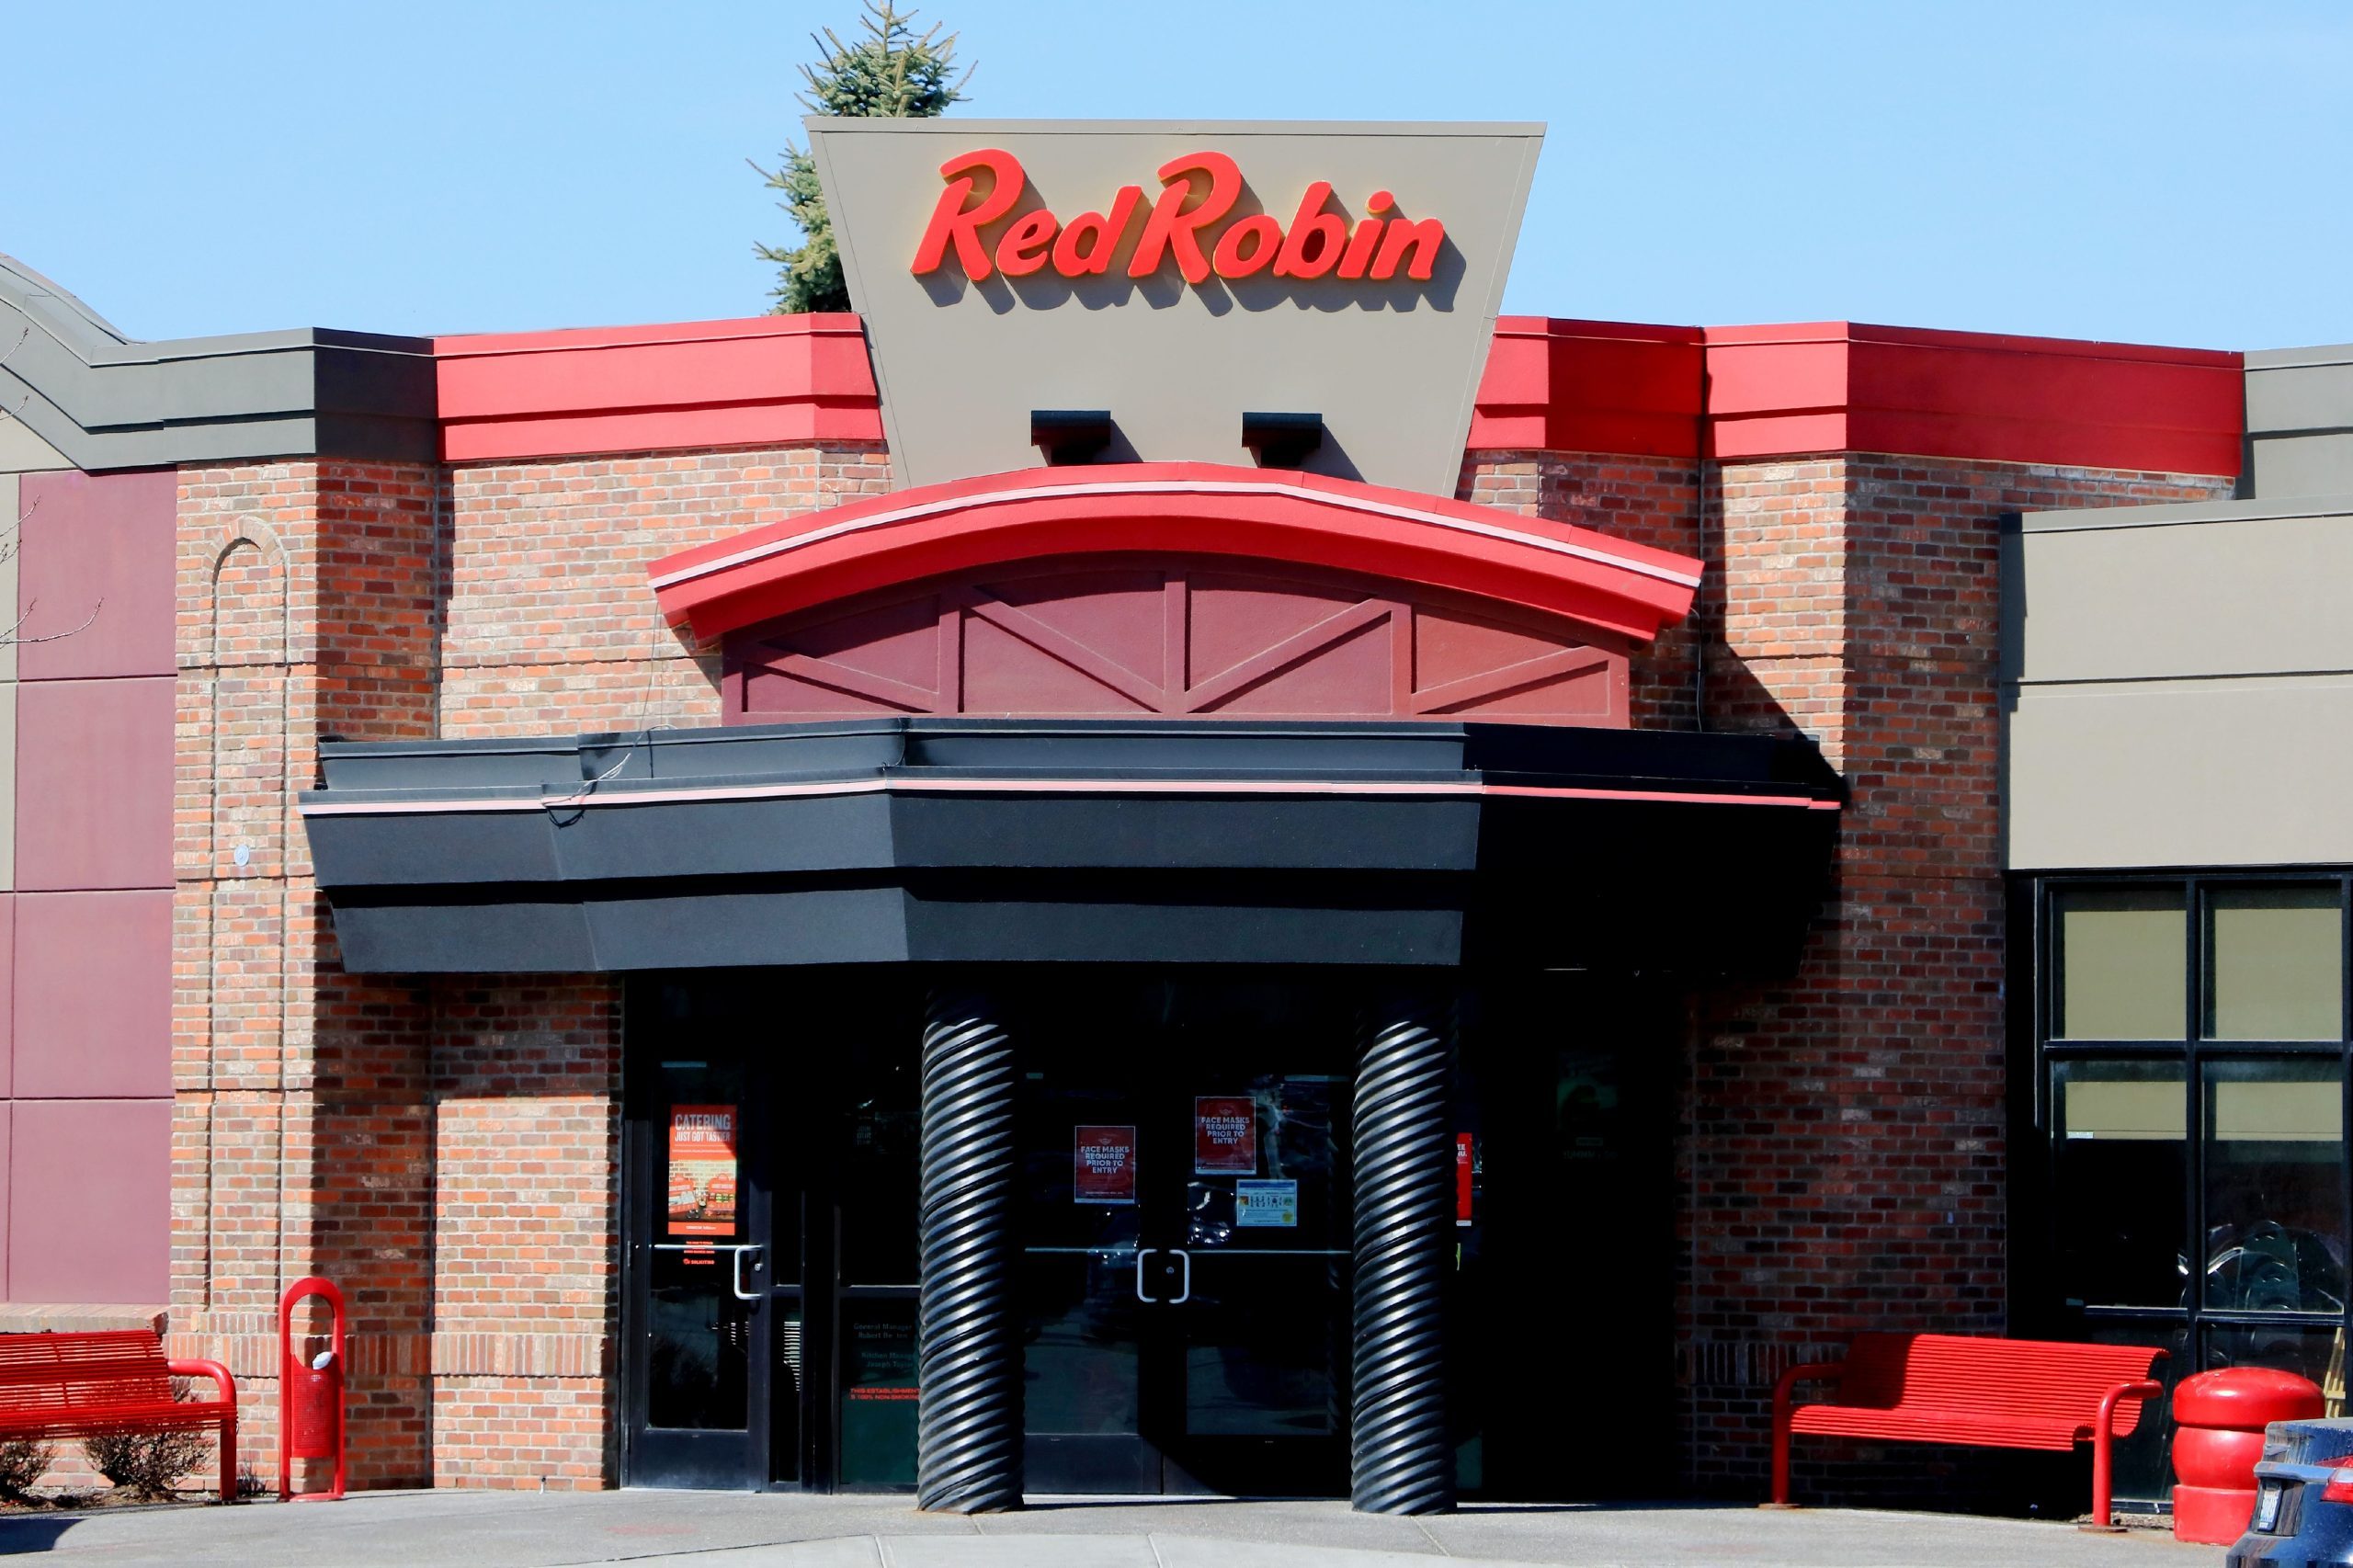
[
  {"x": 2121, "y": 964},
  {"x": 878, "y": 1166},
  {"x": 700, "y": 1332},
  {"x": 878, "y": 1394},
  {"x": 2275, "y": 961},
  {"x": 2275, "y": 1201},
  {"x": 2119, "y": 1177}
]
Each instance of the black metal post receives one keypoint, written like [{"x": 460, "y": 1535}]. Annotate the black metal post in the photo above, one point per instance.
[
  {"x": 1400, "y": 1458},
  {"x": 968, "y": 1423}
]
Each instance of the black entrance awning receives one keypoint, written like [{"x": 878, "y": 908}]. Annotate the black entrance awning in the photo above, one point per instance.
[{"x": 972, "y": 840}]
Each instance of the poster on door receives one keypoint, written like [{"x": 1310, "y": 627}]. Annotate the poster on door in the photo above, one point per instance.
[
  {"x": 1257, "y": 1203},
  {"x": 703, "y": 1170},
  {"x": 1103, "y": 1168},
  {"x": 1225, "y": 1135}
]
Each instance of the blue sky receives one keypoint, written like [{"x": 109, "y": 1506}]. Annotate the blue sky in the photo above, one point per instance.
[{"x": 2160, "y": 173}]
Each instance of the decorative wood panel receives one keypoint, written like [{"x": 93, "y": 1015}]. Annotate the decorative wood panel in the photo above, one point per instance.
[{"x": 1192, "y": 638}]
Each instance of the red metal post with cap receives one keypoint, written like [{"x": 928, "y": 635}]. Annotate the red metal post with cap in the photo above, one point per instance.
[{"x": 310, "y": 1394}]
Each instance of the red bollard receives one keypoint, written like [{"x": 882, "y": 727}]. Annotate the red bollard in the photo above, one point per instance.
[
  {"x": 2218, "y": 1421},
  {"x": 309, "y": 1398}
]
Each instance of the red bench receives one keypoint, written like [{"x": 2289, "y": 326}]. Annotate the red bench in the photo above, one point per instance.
[
  {"x": 82, "y": 1385},
  {"x": 1984, "y": 1393}
]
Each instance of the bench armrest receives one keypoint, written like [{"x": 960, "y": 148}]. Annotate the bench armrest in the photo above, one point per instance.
[
  {"x": 2104, "y": 1423},
  {"x": 228, "y": 1418},
  {"x": 1810, "y": 1371},
  {"x": 213, "y": 1369},
  {"x": 2103, "y": 1440}
]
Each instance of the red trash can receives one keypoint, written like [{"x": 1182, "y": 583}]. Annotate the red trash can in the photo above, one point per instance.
[{"x": 2218, "y": 1422}]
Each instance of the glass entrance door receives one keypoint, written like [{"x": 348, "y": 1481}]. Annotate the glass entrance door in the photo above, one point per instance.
[
  {"x": 1184, "y": 1264},
  {"x": 769, "y": 1290}
]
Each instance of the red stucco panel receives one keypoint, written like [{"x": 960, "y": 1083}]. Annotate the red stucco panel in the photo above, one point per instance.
[
  {"x": 94, "y": 784},
  {"x": 93, "y": 1005},
  {"x": 89, "y": 1200},
  {"x": 96, "y": 574}
]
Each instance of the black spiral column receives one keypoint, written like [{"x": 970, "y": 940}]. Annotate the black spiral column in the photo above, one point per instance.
[
  {"x": 967, "y": 1425},
  {"x": 1400, "y": 1459}
]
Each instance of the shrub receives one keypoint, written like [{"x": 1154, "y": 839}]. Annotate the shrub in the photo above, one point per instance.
[
  {"x": 144, "y": 1465},
  {"x": 23, "y": 1460}
]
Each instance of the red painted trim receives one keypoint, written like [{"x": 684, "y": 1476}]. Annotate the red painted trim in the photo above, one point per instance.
[
  {"x": 1848, "y": 387},
  {"x": 1737, "y": 392},
  {"x": 1388, "y": 788},
  {"x": 770, "y": 379},
  {"x": 1187, "y": 508},
  {"x": 1583, "y": 386}
]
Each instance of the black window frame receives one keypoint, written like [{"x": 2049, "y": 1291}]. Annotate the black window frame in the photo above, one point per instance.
[{"x": 2036, "y": 1303}]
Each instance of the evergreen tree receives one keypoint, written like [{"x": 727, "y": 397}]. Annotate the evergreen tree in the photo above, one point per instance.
[{"x": 888, "y": 72}]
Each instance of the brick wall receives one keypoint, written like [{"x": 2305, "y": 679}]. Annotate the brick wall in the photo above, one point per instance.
[
  {"x": 1841, "y": 1146},
  {"x": 308, "y": 603},
  {"x": 446, "y": 1152},
  {"x": 551, "y": 627},
  {"x": 1652, "y": 501},
  {"x": 526, "y": 1289}
]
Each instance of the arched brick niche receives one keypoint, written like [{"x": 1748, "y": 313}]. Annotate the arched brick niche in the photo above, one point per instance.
[{"x": 1192, "y": 637}]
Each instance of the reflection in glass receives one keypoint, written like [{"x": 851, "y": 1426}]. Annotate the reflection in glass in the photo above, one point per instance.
[
  {"x": 2121, "y": 964},
  {"x": 1081, "y": 1362},
  {"x": 2303, "y": 1351},
  {"x": 784, "y": 1394},
  {"x": 701, "y": 1332},
  {"x": 879, "y": 1393},
  {"x": 1259, "y": 1356},
  {"x": 2143, "y": 1472},
  {"x": 878, "y": 1183},
  {"x": 700, "y": 1335},
  {"x": 2275, "y": 963},
  {"x": 2275, "y": 1204},
  {"x": 2118, "y": 1160}
]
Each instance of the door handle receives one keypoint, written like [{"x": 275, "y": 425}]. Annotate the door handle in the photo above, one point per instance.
[
  {"x": 1185, "y": 1281},
  {"x": 741, "y": 1294},
  {"x": 1141, "y": 1253}
]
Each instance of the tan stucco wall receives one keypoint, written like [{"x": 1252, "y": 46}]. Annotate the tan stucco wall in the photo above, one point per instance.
[{"x": 2178, "y": 685}]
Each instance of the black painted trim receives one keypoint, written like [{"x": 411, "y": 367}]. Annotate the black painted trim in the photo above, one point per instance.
[{"x": 1007, "y": 841}]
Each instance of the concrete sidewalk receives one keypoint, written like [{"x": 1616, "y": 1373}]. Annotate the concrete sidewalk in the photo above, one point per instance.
[{"x": 675, "y": 1530}]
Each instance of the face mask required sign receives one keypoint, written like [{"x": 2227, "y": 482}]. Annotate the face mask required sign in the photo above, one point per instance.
[
  {"x": 1103, "y": 1166},
  {"x": 1225, "y": 1135}
]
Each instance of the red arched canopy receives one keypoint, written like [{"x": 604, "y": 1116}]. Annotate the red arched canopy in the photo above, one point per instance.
[{"x": 1196, "y": 509}]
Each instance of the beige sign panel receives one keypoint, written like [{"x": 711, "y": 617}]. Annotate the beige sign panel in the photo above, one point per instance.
[{"x": 1348, "y": 303}]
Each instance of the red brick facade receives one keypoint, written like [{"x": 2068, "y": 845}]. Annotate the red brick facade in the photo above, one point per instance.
[
  {"x": 449, "y": 1150},
  {"x": 1841, "y": 1156}
]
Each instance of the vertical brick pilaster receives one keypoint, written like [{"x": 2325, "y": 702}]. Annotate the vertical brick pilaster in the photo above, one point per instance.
[{"x": 1842, "y": 1135}]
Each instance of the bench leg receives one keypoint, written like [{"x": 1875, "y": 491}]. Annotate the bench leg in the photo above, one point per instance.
[
  {"x": 1781, "y": 1457},
  {"x": 2103, "y": 1472},
  {"x": 2103, "y": 1445}
]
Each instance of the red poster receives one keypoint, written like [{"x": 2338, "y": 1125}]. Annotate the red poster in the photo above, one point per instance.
[
  {"x": 1463, "y": 1171},
  {"x": 703, "y": 1170},
  {"x": 1225, "y": 1135},
  {"x": 1103, "y": 1166}
]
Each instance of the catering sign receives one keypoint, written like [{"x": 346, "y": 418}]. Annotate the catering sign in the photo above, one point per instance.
[{"x": 703, "y": 1170}]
